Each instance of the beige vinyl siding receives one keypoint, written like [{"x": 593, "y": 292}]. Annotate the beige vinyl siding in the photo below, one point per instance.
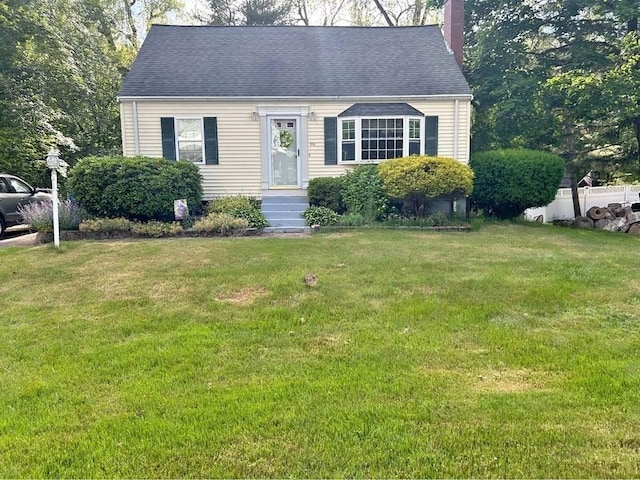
[
  {"x": 240, "y": 163},
  {"x": 126, "y": 119}
]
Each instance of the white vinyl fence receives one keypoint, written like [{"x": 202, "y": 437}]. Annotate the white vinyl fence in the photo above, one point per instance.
[{"x": 562, "y": 207}]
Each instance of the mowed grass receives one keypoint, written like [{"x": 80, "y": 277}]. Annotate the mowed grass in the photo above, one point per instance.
[{"x": 512, "y": 351}]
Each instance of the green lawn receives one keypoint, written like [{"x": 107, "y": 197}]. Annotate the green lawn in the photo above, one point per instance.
[{"x": 512, "y": 351}]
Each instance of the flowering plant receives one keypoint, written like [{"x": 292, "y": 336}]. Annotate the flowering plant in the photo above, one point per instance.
[{"x": 39, "y": 215}]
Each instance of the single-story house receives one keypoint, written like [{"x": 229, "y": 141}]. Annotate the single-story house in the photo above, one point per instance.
[{"x": 262, "y": 110}]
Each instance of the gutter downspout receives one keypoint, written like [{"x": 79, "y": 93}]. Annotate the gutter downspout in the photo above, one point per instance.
[
  {"x": 456, "y": 119},
  {"x": 136, "y": 139}
]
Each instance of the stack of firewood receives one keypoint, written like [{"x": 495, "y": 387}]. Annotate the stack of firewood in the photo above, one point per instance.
[{"x": 614, "y": 218}]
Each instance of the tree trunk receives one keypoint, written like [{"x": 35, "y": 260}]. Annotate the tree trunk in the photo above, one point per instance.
[
  {"x": 332, "y": 22},
  {"x": 574, "y": 194},
  {"x": 302, "y": 12},
  {"x": 570, "y": 159},
  {"x": 417, "y": 12},
  {"x": 132, "y": 35},
  {"x": 384, "y": 13},
  {"x": 632, "y": 26},
  {"x": 636, "y": 126}
]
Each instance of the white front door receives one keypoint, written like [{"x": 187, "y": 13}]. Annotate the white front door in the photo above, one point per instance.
[{"x": 284, "y": 156}]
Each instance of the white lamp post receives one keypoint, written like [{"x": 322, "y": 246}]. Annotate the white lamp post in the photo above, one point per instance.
[{"x": 53, "y": 162}]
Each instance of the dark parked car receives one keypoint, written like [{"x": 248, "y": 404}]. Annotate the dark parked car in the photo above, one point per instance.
[{"x": 15, "y": 192}]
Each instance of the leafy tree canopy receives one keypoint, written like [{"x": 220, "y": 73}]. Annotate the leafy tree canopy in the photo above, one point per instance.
[
  {"x": 61, "y": 65},
  {"x": 559, "y": 75},
  {"x": 250, "y": 12}
]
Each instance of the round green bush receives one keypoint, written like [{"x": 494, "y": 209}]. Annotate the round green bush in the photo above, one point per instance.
[
  {"x": 137, "y": 188},
  {"x": 326, "y": 192},
  {"x": 507, "y": 182},
  {"x": 320, "y": 216},
  {"x": 416, "y": 179}
]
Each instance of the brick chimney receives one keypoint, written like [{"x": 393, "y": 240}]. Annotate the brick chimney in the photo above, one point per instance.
[{"x": 453, "y": 29}]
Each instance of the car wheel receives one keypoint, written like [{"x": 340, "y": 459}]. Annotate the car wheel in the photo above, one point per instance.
[{"x": 1, "y": 226}]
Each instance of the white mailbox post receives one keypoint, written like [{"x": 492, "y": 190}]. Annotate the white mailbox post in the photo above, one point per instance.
[
  {"x": 56, "y": 164},
  {"x": 53, "y": 162}
]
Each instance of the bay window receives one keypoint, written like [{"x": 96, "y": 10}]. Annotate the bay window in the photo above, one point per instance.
[
  {"x": 373, "y": 132},
  {"x": 370, "y": 139}
]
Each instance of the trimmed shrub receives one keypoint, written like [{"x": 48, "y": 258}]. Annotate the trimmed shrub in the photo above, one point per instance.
[
  {"x": 363, "y": 193},
  {"x": 221, "y": 223},
  {"x": 239, "y": 206},
  {"x": 326, "y": 192},
  {"x": 106, "y": 225},
  {"x": 137, "y": 188},
  {"x": 417, "y": 180},
  {"x": 507, "y": 182},
  {"x": 156, "y": 229},
  {"x": 320, "y": 216},
  {"x": 39, "y": 215}
]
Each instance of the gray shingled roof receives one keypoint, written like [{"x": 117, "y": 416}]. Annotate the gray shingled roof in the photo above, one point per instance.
[
  {"x": 293, "y": 62},
  {"x": 383, "y": 109}
]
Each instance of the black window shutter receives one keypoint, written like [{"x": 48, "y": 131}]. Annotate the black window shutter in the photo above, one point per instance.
[
  {"x": 167, "y": 126},
  {"x": 330, "y": 140},
  {"x": 211, "y": 140},
  {"x": 431, "y": 136}
]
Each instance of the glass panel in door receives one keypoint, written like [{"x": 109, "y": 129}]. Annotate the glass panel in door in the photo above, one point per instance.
[{"x": 284, "y": 153}]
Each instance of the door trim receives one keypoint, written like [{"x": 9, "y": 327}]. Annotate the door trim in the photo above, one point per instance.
[
  {"x": 297, "y": 119},
  {"x": 301, "y": 114}
]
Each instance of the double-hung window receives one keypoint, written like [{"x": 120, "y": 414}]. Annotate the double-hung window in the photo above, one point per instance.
[
  {"x": 348, "y": 140},
  {"x": 189, "y": 139},
  {"x": 370, "y": 139}
]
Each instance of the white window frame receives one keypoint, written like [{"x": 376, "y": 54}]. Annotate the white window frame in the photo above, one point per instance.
[
  {"x": 358, "y": 126},
  {"x": 177, "y": 141}
]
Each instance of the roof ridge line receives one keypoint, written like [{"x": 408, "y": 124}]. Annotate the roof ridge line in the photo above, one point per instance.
[{"x": 299, "y": 26}]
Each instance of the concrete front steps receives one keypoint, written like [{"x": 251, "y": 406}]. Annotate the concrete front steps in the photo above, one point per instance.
[{"x": 284, "y": 212}]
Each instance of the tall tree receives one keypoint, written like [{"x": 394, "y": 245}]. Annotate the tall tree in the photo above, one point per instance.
[
  {"x": 25, "y": 120},
  {"x": 135, "y": 17},
  {"x": 326, "y": 12},
  {"x": 60, "y": 70},
  {"x": 556, "y": 74},
  {"x": 266, "y": 12},
  {"x": 407, "y": 12},
  {"x": 249, "y": 12},
  {"x": 361, "y": 13}
]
